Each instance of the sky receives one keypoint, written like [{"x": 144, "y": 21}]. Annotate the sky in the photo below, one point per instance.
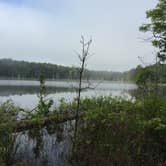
[{"x": 50, "y": 30}]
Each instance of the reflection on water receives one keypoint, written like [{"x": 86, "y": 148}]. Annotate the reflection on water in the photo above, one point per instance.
[
  {"x": 24, "y": 93},
  {"x": 23, "y": 90},
  {"x": 54, "y": 152}
]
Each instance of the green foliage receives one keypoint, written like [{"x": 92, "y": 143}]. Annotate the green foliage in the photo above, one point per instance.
[
  {"x": 145, "y": 76},
  {"x": 44, "y": 105},
  {"x": 157, "y": 26},
  {"x": 119, "y": 132},
  {"x": 8, "y": 112},
  {"x": 146, "y": 81},
  {"x": 8, "y": 146},
  {"x": 12, "y": 69}
]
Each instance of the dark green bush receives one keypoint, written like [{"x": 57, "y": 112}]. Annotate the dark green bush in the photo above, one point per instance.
[{"x": 119, "y": 132}]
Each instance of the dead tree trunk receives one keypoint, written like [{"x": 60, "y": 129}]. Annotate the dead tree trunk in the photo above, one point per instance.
[{"x": 82, "y": 57}]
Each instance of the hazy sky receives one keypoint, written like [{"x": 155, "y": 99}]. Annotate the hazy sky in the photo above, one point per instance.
[{"x": 50, "y": 30}]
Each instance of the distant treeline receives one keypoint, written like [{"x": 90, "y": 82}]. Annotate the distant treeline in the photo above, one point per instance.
[
  {"x": 12, "y": 69},
  {"x": 156, "y": 71}
]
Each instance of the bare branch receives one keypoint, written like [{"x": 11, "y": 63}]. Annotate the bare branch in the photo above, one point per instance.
[{"x": 82, "y": 58}]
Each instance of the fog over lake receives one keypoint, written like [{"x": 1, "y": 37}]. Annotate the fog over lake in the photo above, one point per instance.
[{"x": 24, "y": 93}]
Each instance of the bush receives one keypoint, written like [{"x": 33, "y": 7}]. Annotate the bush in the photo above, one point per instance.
[{"x": 119, "y": 132}]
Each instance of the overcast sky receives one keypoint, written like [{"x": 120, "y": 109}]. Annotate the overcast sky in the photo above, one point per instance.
[{"x": 50, "y": 30}]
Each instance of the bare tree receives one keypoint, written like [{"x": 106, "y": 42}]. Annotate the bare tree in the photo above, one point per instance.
[{"x": 83, "y": 56}]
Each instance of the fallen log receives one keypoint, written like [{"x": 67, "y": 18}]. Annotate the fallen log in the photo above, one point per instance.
[{"x": 23, "y": 125}]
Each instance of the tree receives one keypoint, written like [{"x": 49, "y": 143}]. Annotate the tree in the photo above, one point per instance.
[
  {"x": 44, "y": 105},
  {"x": 157, "y": 26},
  {"x": 146, "y": 81},
  {"x": 83, "y": 58}
]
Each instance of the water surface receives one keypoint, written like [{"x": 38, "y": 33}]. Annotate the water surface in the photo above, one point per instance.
[{"x": 25, "y": 93}]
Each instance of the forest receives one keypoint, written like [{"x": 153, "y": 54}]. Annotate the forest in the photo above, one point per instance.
[
  {"x": 134, "y": 74},
  {"x": 12, "y": 69}
]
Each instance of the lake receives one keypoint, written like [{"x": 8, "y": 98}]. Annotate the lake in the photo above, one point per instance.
[{"x": 24, "y": 92}]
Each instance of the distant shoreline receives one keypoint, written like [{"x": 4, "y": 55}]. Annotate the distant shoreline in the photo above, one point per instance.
[{"x": 74, "y": 80}]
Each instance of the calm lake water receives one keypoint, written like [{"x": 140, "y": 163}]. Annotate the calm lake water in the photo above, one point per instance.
[{"x": 24, "y": 93}]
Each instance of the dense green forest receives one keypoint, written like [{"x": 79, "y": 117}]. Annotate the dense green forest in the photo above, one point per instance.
[
  {"x": 156, "y": 69},
  {"x": 12, "y": 69}
]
